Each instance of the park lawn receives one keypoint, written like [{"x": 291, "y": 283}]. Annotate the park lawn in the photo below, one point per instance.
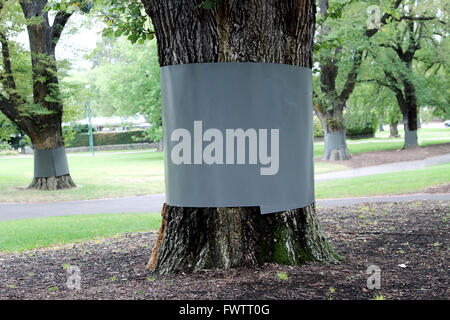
[
  {"x": 102, "y": 176},
  {"x": 363, "y": 147},
  {"x": 324, "y": 167},
  {"x": 424, "y": 133},
  {"x": 122, "y": 174},
  {"x": 385, "y": 184},
  {"x": 439, "y": 135},
  {"x": 19, "y": 235}
]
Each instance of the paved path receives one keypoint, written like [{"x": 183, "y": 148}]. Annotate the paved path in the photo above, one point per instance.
[
  {"x": 154, "y": 202},
  {"x": 384, "y": 168}
]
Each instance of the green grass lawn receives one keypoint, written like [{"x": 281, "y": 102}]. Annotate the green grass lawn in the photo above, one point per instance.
[
  {"x": 385, "y": 184},
  {"x": 442, "y": 135},
  {"x": 19, "y": 235},
  {"x": 102, "y": 176},
  {"x": 424, "y": 133}
]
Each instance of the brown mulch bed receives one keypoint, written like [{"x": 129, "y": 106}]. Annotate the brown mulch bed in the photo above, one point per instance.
[
  {"x": 413, "y": 234},
  {"x": 443, "y": 188},
  {"x": 387, "y": 156}
]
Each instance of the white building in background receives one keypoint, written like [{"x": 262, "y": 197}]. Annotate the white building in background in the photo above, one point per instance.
[{"x": 105, "y": 124}]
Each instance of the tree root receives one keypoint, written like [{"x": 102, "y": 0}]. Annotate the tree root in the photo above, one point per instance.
[
  {"x": 337, "y": 154},
  {"x": 154, "y": 257},
  {"x": 52, "y": 183},
  {"x": 193, "y": 239}
]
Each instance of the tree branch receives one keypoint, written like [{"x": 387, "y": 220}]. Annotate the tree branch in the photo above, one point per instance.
[
  {"x": 351, "y": 79},
  {"x": 383, "y": 20},
  {"x": 419, "y": 19},
  {"x": 7, "y": 77},
  {"x": 58, "y": 26},
  {"x": 395, "y": 47}
]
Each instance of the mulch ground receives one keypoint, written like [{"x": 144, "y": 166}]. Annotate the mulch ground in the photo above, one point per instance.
[
  {"x": 443, "y": 188},
  {"x": 387, "y": 156},
  {"x": 409, "y": 242}
]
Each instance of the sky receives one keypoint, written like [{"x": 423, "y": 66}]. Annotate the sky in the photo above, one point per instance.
[
  {"x": 79, "y": 38},
  {"x": 74, "y": 46}
]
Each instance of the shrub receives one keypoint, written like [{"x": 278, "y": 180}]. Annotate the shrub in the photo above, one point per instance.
[
  {"x": 109, "y": 138},
  {"x": 317, "y": 127},
  {"x": 6, "y": 149},
  {"x": 4, "y": 146},
  {"x": 360, "y": 122}
]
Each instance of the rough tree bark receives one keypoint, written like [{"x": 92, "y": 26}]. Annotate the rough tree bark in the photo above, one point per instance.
[
  {"x": 44, "y": 129},
  {"x": 236, "y": 31}
]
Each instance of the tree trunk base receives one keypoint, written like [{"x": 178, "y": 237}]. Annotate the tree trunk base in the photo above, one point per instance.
[
  {"x": 410, "y": 146},
  {"x": 209, "y": 238},
  {"x": 393, "y": 130},
  {"x": 336, "y": 146},
  {"x": 410, "y": 139},
  {"x": 337, "y": 154},
  {"x": 52, "y": 183}
]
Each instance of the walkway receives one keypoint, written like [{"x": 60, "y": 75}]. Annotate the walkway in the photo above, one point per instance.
[{"x": 154, "y": 202}]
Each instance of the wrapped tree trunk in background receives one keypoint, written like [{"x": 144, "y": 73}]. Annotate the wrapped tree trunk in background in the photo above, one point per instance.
[
  {"x": 334, "y": 134},
  {"x": 393, "y": 127},
  {"x": 42, "y": 122},
  {"x": 46, "y": 133},
  {"x": 235, "y": 31},
  {"x": 330, "y": 108}
]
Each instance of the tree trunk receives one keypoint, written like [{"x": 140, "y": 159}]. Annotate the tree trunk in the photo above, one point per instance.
[
  {"x": 393, "y": 127},
  {"x": 240, "y": 31},
  {"x": 410, "y": 113},
  {"x": 44, "y": 129},
  {"x": 49, "y": 138},
  {"x": 335, "y": 147}
]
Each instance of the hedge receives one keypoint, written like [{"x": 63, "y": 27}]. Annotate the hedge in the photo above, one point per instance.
[
  {"x": 360, "y": 122},
  {"x": 108, "y": 138},
  {"x": 317, "y": 128}
]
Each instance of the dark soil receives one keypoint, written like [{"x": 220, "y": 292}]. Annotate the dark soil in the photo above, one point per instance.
[
  {"x": 443, "y": 188},
  {"x": 373, "y": 158},
  {"x": 409, "y": 242}
]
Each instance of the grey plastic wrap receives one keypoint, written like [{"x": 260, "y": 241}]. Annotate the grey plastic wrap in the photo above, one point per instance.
[
  {"x": 410, "y": 138},
  {"x": 221, "y": 96},
  {"x": 335, "y": 141},
  {"x": 50, "y": 163}
]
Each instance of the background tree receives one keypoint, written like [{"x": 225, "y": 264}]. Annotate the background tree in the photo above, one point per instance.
[
  {"x": 396, "y": 52},
  {"x": 340, "y": 47},
  {"x": 372, "y": 98},
  {"x": 125, "y": 81},
  {"x": 38, "y": 112}
]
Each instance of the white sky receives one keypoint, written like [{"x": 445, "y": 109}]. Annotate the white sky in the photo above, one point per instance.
[
  {"x": 75, "y": 45},
  {"x": 77, "y": 40}
]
